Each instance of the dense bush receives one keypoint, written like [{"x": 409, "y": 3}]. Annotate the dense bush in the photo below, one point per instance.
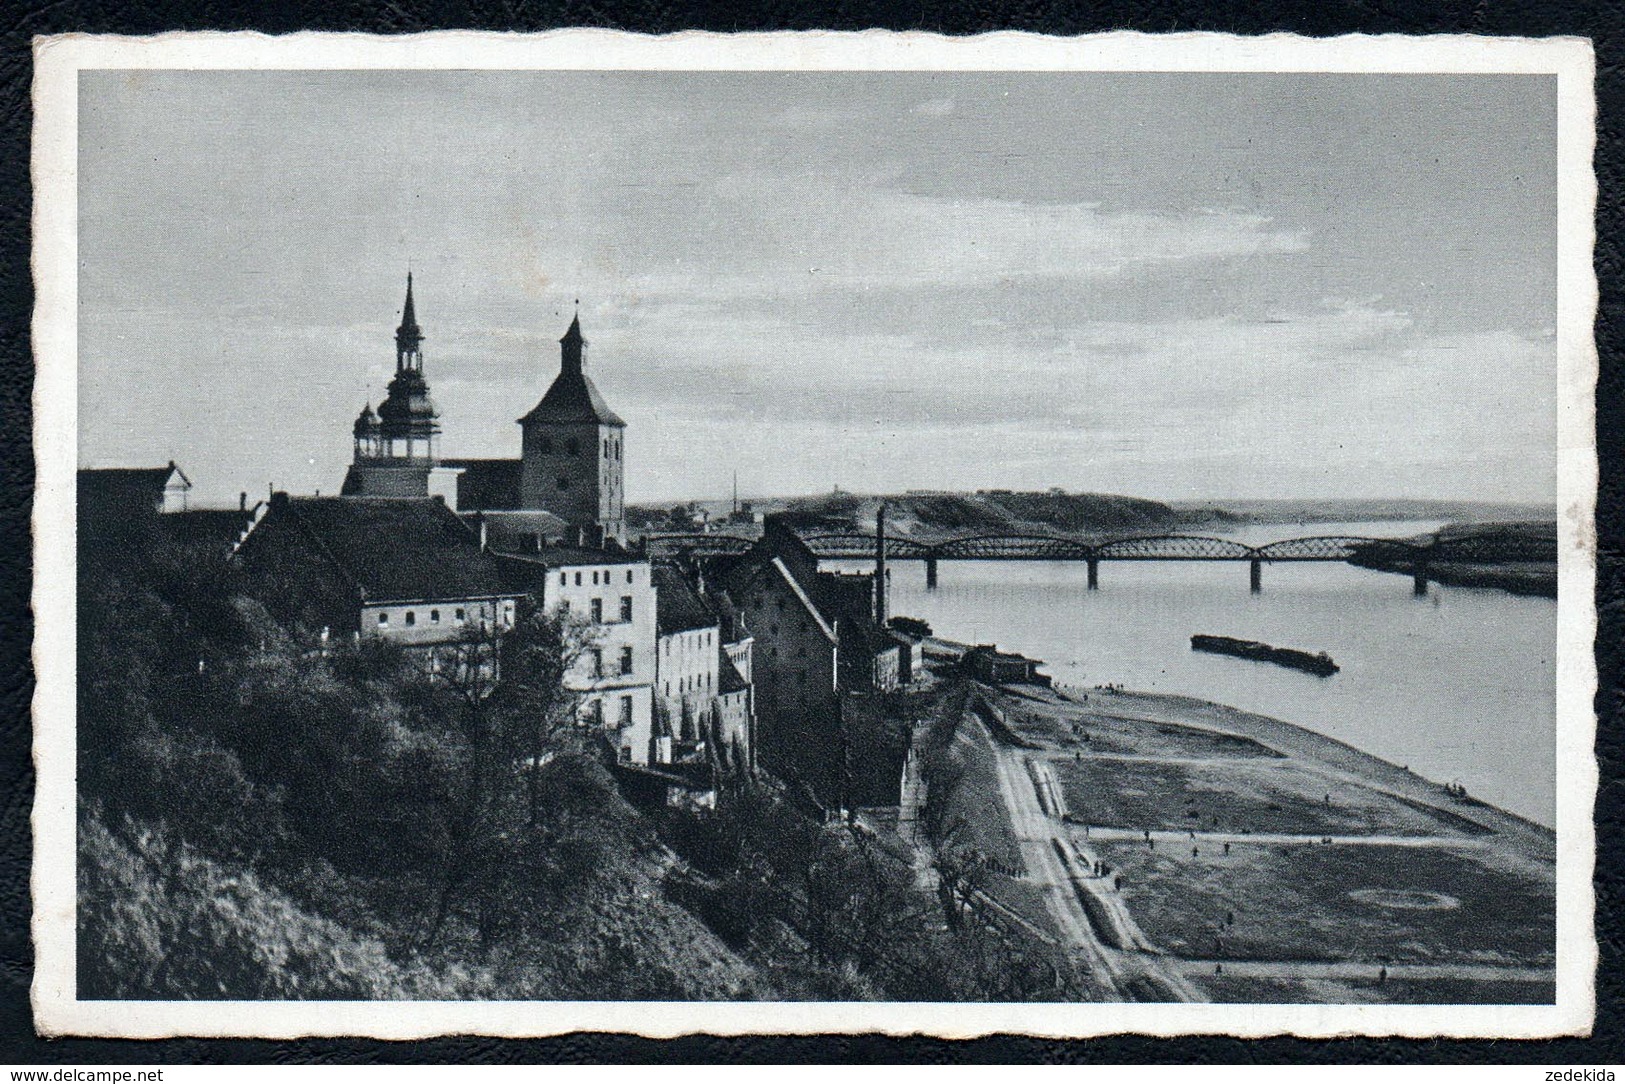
[{"x": 264, "y": 815}]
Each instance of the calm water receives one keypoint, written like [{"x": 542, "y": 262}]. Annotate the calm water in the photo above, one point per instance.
[{"x": 1459, "y": 685}]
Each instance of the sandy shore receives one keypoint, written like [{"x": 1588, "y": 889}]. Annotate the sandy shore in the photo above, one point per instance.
[{"x": 1534, "y": 840}]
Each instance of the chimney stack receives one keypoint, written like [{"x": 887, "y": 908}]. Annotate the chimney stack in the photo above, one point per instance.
[
  {"x": 880, "y": 566},
  {"x": 242, "y": 501}
]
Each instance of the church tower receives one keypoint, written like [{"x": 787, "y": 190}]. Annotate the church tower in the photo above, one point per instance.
[
  {"x": 395, "y": 449},
  {"x": 571, "y": 449}
]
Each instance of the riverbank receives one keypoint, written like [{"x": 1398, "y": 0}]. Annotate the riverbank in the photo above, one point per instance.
[
  {"x": 1520, "y": 558},
  {"x": 1210, "y": 853}
]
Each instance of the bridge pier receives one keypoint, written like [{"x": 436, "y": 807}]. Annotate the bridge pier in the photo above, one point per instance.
[
  {"x": 1255, "y": 582},
  {"x": 930, "y": 573},
  {"x": 1094, "y": 574},
  {"x": 1419, "y": 579}
]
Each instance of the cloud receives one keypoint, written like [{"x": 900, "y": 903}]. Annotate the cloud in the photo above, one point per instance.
[{"x": 891, "y": 240}]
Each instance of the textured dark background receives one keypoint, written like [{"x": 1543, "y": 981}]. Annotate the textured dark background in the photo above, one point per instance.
[{"x": 1603, "y": 22}]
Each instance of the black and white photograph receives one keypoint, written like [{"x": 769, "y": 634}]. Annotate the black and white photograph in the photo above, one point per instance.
[{"x": 669, "y": 536}]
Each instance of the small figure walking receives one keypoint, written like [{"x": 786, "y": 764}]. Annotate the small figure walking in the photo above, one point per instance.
[
  {"x": 1227, "y": 848},
  {"x": 1382, "y": 975},
  {"x": 1218, "y": 969}
]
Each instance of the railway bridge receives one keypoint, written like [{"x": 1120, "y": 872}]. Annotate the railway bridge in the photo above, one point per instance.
[{"x": 1386, "y": 553}]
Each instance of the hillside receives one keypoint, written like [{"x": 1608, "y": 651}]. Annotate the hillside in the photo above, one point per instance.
[
  {"x": 354, "y": 827},
  {"x": 1348, "y": 510},
  {"x": 925, "y": 514}
]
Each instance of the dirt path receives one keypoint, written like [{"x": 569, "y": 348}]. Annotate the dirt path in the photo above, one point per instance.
[
  {"x": 1120, "y": 974},
  {"x": 1291, "y": 969},
  {"x": 1129, "y": 835}
]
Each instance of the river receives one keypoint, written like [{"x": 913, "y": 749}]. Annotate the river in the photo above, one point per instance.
[{"x": 1458, "y": 686}]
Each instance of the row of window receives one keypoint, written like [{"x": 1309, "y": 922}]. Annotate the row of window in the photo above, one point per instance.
[
  {"x": 411, "y": 618},
  {"x": 595, "y": 712},
  {"x": 689, "y": 684},
  {"x": 595, "y": 609},
  {"x": 459, "y": 616},
  {"x": 704, "y": 640},
  {"x": 597, "y": 657},
  {"x": 564, "y": 577},
  {"x": 572, "y": 446}
]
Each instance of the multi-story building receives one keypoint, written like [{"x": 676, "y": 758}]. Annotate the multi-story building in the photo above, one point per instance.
[
  {"x": 400, "y": 569},
  {"x": 612, "y": 593},
  {"x": 688, "y": 646},
  {"x": 816, "y": 638}
]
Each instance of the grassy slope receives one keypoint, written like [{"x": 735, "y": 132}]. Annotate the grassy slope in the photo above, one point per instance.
[{"x": 996, "y": 510}]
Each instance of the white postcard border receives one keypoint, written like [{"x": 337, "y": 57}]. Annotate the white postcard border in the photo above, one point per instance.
[{"x": 54, "y": 170}]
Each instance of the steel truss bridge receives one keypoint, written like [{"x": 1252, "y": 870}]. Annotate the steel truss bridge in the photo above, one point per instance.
[{"x": 1383, "y": 552}]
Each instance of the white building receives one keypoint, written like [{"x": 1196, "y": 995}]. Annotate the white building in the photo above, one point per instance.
[{"x": 614, "y": 677}]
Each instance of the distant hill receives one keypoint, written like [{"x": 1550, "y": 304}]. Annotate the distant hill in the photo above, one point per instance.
[
  {"x": 926, "y": 514},
  {"x": 1335, "y": 510}
]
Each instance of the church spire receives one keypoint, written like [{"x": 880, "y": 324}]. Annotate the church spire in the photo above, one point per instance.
[
  {"x": 573, "y": 347},
  {"x": 409, "y": 337}
]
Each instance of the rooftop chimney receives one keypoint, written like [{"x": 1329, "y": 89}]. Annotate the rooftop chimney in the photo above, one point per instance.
[{"x": 880, "y": 566}]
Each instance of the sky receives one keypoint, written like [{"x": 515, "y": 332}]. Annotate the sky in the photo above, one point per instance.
[{"x": 1177, "y": 286}]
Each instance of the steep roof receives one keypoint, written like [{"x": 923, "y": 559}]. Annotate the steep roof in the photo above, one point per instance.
[
  {"x": 729, "y": 679},
  {"x": 678, "y": 607},
  {"x": 222, "y": 525},
  {"x": 125, "y": 482},
  {"x": 573, "y": 398},
  {"x": 396, "y": 548}
]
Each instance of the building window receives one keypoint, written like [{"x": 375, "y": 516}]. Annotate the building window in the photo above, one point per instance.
[
  {"x": 626, "y": 711},
  {"x": 462, "y": 615},
  {"x": 564, "y": 482},
  {"x": 383, "y": 620},
  {"x": 578, "y": 579},
  {"x": 626, "y": 754},
  {"x": 626, "y": 661},
  {"x": 626, "y": 607},
  {"x": 507, "y": 611},
  {"x": 564, "y": 605},
  {"x": 629, "y": 575},
  {"x": 595, "y": 713},
  {"x": 597, "y": 662},
  {"x": 434, "y": 617},
  {"x": 597, "y": 611},
  {"x": 572, "y": 447},
  {"x": 606, "y": 448},
  {"x": 411, "y": 618},
  {"x": 564, "y": 579}
]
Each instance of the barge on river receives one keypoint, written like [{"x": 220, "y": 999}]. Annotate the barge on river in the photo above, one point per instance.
[{"x": 1319, "y": 664}]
